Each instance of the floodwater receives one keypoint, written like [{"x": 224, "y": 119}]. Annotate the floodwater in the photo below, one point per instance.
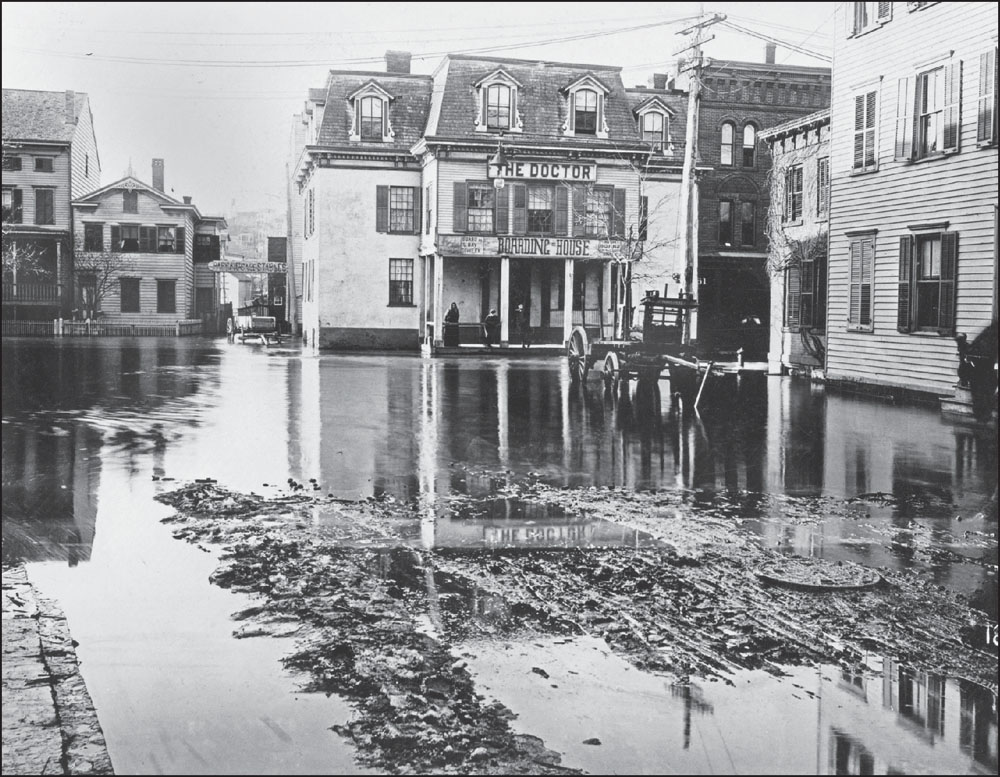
[{"x": 93, "y": 429}]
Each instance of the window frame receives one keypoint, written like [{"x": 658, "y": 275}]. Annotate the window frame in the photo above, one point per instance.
[
  {"x": 743, "y": 243},
  {"x": 822, "y": 185},
  {"x": 480, "y": 186},
  {"x": 496, "y": 126},
  {"x": 727, "y": 145},
  {"x": 868, "y": 16},
  {"x": 794, "y": 194},
  {"x": 867, "y": 133},
  {"x": 586, "y": 112},
  {"x": 986, "y": 100},
  {"x": 811, "y": 294},
  {"x": 727, "y": 222},
  {"x": 550, "y": 230},
  {"x": 913, "y": 288},
  {"x": 371, "y": 137},
  {"x": 122, "y": 296},
  {"x": 656, "y": 138},
  {"x": 45, "y": 214},
  {"x": 12, "y": 162},
  {"x": 162, "y": 300},
  {"x": 750, "y": 150},
  {"x": 44, "y": 164},
  {"x": 401, "y": 287},
  {"x": 14, "y": 212},
  {"x": 861, "y": 274},
  {"x": 90, "y": 230}
]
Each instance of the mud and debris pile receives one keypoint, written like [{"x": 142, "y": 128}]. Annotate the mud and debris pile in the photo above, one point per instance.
[{"x": 377, "y": 616}]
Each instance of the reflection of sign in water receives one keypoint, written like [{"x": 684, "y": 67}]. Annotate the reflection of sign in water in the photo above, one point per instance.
[
  {"x": 251, "y": 267},
  {"x": 538, "y": 534},
  {"x": 561, "y": 247}
]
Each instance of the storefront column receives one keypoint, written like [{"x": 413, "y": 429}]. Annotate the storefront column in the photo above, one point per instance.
[
  {"x": 504, "y": 300},
  {"x": 438, "y": 300},
  {"x": 609, "y": 297},
  {"x": 568, "y": 301},
  {"x": 425, "y": 302}
]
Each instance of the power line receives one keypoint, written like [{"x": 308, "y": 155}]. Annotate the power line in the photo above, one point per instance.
[{"x": 771, "y": 39}]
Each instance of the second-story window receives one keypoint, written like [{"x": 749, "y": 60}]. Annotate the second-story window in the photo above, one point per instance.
[
  {"x": 93, "y": 237},
  {"x": 540, "y": 205},
  {"x": 170, "y": 240},
  {"x": 130, "y": 201},
  {"x": 726, "y": 148},
  {"x": 11, "y": 162},
  {"x": 397, "y": 209},
  {"x": 45, "y": 206},
  {"x": 652, "y": 129},
  {"x": 498, "y": 104},
  {"x": 823, "y": 185},
  {"x": 43, "y": 164},
  {"x": 372, "y": 120},
  {"x": 793, "y": 193},
  {"x": 585, "y": 112},
  {"x": 12, "y": 209},
  {"x": 865, "y": 156},
  {"x": 749, "y": 145},
  {"x": 481, "y": 202},
  {"x": 748, "y": 222},
  {"x": 726, "y": 222},
  {"x": 986, "y": 125}
]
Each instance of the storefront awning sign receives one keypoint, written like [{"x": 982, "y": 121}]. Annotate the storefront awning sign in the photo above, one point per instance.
[
  {"x": 572, "y": 172},
  {"x": 247, "y": 267}
]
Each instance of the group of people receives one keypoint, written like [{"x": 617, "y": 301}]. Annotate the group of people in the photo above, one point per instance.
[{"x": 491, "y": 325}]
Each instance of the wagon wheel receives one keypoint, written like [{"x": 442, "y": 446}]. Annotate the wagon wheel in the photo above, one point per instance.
[
  {"x": 612, "y": 372},
  {"x": 579, "y": 355}
]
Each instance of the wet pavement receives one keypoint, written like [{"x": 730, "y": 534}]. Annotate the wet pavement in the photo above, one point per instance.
[{"x": 93, "y": 431}]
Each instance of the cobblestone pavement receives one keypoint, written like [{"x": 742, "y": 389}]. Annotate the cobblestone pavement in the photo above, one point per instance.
[{"x": 50, "y": 725}]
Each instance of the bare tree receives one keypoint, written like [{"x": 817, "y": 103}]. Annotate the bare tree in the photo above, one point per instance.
[{"x": 96, "y": 274}]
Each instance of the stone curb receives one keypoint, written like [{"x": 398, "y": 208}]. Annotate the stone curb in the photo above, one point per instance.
[{"x": 50, "y": 725}]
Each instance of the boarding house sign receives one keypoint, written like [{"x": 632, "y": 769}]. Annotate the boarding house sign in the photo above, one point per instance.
[
  {"x": 573, "y": 172},
  {"x": 556, "y": 247}
]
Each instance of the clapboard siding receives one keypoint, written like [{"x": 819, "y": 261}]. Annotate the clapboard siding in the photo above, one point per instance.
[
  {"x": 28, "y": 181},
  {"x": 960, "y": 189},
  {"x": 85, "y": 162}
]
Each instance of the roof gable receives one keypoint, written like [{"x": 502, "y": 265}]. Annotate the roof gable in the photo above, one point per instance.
[
  {"x": 370, "y": 89},
  {"x": 586, "y": 81},
  {"x": 128, "y": 183}
]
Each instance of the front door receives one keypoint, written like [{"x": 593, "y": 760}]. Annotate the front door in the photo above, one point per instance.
[{"x": 520, "y": 293}]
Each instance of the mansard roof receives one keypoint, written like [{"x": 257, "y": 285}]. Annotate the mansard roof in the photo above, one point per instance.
[
  {"x": 410, "y": 102},
  {"x": 541, "y": 99}
]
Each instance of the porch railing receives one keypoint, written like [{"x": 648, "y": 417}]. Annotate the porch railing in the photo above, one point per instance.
[{"x": 32, "y": 293}]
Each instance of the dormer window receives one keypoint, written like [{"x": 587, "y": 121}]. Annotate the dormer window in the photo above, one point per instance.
[
  {"x": 370, "y": 114},
  {"x": 585, "y": 115},
  {"x": 498, "y": 103},
  {"x": 372, "y": 119},
  {"x": 652, "y": 129},
  {"x": 585, "y": 112},
  {"x": 498, "y": 107}
]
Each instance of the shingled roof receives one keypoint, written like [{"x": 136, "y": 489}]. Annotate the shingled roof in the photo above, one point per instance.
[
  {"x": 541, "y": 102},
  {"x": 34, "y": 115},
  {"x": 407, "y": 110}
]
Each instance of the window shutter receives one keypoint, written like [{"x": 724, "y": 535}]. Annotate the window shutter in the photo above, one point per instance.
[
  {"x": 949, "y": 275},
  {"x": 786, "y": 208},
  {"x": 903, "y": 320},
  {"x": 793, "y": 291},
  {"x": 381, "y": 209},
  {"x": 859, "y": 131},
  {"x": 867, "y": 264},
  {"x": 571, "y": 121},
  {"x": 854, "y": 305},
  {"x": 987, "y": 121},
  {"x": 116, "y": 237},
  {"x": 562, "y": 210},
  {"x": 823, "y": 185},
  {"x": 417, "y": 210},
  {"x": 952, "y": 105},
  {"x": 819, "y": 297},
  {"x": 520, "y": 209},
  {"x": 870, "y": 129},
  {"x": 618, "y": 203},
  {"x": 460, "y": 207},
  {"x": 643, "y": 218},
  {"x": 502, "y": 213},
  {"x": 180, "y": 245},
  {"x": 884, "y": 12},
  {"x": 579, "y": 210},
  {"x": 904, "y": 119}
]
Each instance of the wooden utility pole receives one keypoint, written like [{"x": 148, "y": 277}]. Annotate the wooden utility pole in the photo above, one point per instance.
[{"x": 689, "y": 198}]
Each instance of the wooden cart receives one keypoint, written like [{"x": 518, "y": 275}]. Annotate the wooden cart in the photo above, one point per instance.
[{"x": 662, "y": 348}]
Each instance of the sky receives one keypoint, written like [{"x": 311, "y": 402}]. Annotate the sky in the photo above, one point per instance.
[{"x": 211, "y": 88}]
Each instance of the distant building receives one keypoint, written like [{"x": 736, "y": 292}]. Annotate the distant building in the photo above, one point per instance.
[
  {"x": 143, "y": 257},
  {"x": 740, "y": 100},
  {"x": 913, "y": 219},
  {"x": 797, "y": 232},
  {"x": 49, "y": 158}
]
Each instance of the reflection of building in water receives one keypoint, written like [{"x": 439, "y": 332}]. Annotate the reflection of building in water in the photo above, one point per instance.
[
  {"x": 947, "y": 723},
  {"x": 50, "y": 480}
]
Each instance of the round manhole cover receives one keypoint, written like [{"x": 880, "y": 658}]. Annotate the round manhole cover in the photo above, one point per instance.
[{"x": 813, "y": 574}]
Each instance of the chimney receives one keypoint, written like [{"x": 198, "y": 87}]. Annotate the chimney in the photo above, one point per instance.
[
  {"x": 769, "y": 49},
  {"x": 70, "y": 106},
  {"x": 187, "y": 199},
  {"x": 397, "y": 62},
  {"x": 158, "y": 174},
  {"x": 660, "y": 80}
]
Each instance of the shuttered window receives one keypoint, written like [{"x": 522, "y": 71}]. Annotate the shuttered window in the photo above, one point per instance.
[
  {"x": 928, "y": 112},
  {"x": 805, "y": 293},
  {"x": 986, "y": 123},
  {"x": 862, "y": 257},
  {"x": 93, "y": 237},
  {"x": 397, "y": 209},
  {"x": 823, "y": 185},
  {"x": 45, "y": 212},
  {"x": 792, "y": 210},
  {"x": 868, "y": 16},
  {"x": 928, "y": 267},
  {"x": 865, "y": 134},
  {"x": 13, "y": 211},
  {"x": 481, "y": 209}
]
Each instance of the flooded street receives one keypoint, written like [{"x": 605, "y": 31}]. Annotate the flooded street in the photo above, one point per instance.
[{"x": 506, "y": 518}]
